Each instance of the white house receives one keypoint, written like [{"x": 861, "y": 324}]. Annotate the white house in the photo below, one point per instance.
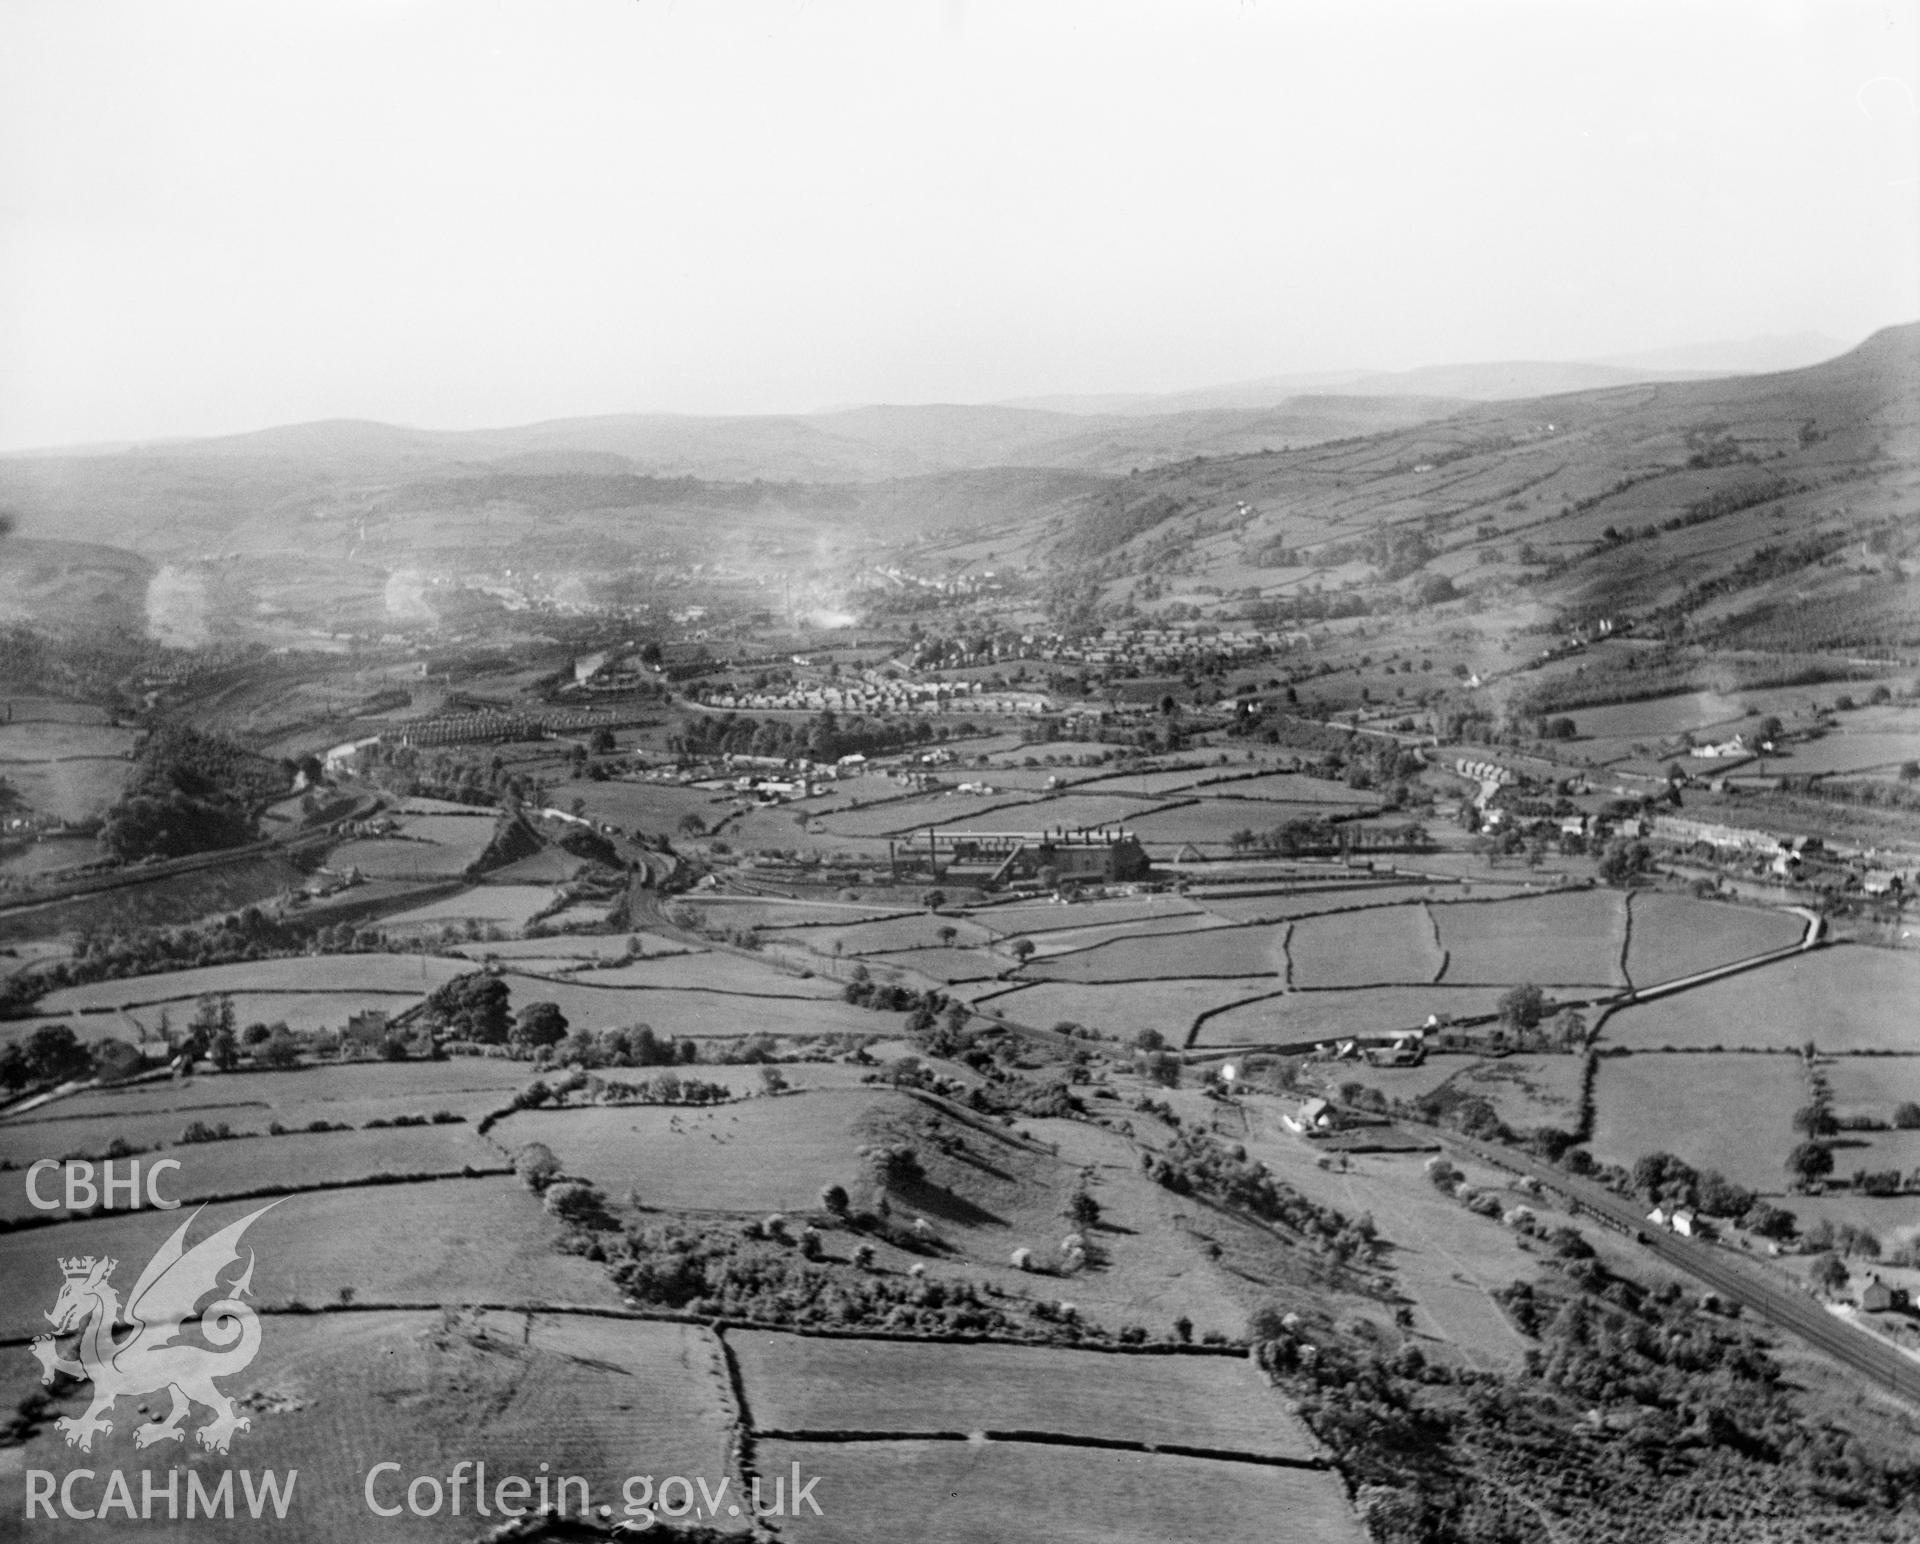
[{"x": 1315, "y": 1116}]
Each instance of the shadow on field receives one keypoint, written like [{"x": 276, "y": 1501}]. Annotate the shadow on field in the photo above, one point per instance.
[{"x": 938, "y": 1201}]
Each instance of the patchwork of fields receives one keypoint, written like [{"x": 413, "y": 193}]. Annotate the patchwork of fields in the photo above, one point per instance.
[{"x": 940, "y": 1440}]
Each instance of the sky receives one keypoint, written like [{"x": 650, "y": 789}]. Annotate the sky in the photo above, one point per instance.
[{"x": 217, "y": 215}]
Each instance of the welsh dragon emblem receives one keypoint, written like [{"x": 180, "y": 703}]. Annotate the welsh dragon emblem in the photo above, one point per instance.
[{"x": 147, "y": 1360}]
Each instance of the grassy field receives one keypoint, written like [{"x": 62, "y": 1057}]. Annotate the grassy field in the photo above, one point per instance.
[
  {"x": 1527, "y": 1091},
  {"x": 300, "y": 1011},
  {"x": 1071, "y": 940},
  {"x": 889, "y": 934},
  {"x": 509, "y": 905},
  {"x": 448, "y": 1241},
  {"x": 1313, "y": 900},
  {"x": 53, "y": 710},
  {"x": 425, "y": 1389},
  {"x": 1570, "y": 936},
  {"x": 68, "y": 790},
  {"x": 1302, "y": 1016},
  {"x": 401, "y": 974},
  {"x": 355, "y": 1092},
  {"x": 1069, "y": 812},
  {"x": 727, "y": 972},
  {"x": 45, "y": 740},
  {"x": 876, "y": 819},
  {"x": 942, "y": 964},
  {"x": 1381, "y": 946},
  {"x": 1674, "y": 936},
  {"x": 762, "y": 1155},
  {"x": 1658, "y": 717},
  {"x": 1891, "y": 1219},
  {"x": 1229, "y": 951},
  {"x": 981, "y": 1493},
  {"x": 155, "y": 1114},
  {"x": 1847, "y": 752},
  {"x": 1147, "y": 784},
  {"x": 555, "y": 953},
  {"x": 1290, "y": 788},
  {"x": 1847, "y": 998},
  {"x": 1125, "y": 1009},
  {"x": 699, "y": 1013},
  {"x": 745, "y": 912},
  {"x": 1035, "y": 917},
  {"x": 1445, "y": 1257},
  {"x": 796, "y": 1384},
  {"x": 1872, "y": 1085},
  {"x": 248, "y": 1163},
  {"x": 655, "y": 808},
  {"x": 1658, "y": 1103},
  {"x": 92, "y": 1026},
  {"x": 1213, "y": 822},
  {"x": 396, "y": 858},
  {"x": 1877, "y": 1150},
  {"x": 49, "y": 855}
]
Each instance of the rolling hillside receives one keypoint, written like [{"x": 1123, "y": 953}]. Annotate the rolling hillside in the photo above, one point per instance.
[{"x": 1715, "y": 509}]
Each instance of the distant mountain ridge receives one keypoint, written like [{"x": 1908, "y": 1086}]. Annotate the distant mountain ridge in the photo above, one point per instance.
[
  {"x": 1495, "y": 381},
  {"x": 1095, "y": 433},
  {"x": 862, "y": 444}
]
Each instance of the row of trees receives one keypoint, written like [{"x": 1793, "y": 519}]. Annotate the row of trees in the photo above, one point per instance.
[{"x": 823, "y": 737}]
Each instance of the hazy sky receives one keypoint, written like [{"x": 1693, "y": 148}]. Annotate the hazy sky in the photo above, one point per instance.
[{"x": 217, "y": 216}]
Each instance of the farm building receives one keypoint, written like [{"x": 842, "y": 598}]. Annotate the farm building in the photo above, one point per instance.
[
  {"x": 1312, "y": 1118},
  {"x": 1878, "y": 1297},
  {"x": 1408, "y": 1050}
]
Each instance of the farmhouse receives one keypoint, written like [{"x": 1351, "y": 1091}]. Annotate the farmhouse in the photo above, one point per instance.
[
  {"x": 1878, "y": 1297},
  {"x": 1312, "y": 1118}
]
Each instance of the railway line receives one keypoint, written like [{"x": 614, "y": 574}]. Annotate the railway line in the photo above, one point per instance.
[{"x": 1865, "y": 1354}]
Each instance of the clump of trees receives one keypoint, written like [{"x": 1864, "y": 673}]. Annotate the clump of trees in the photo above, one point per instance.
[
  {"x": 190, "y": 792},
  {"x": 51, "y": 1054},
  {"x": 471, "y": 1007},
  {"x": 1196, "y": 1163}
]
